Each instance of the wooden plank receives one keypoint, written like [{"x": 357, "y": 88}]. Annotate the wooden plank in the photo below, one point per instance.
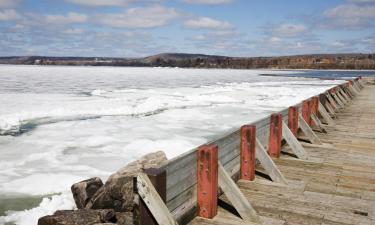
[
  {"x": 235, "y": 196},
  {"x": 268, "y": 164},
  {"x": 308, "y": 131},
  {"x": 323, "y": 112},
  {"x": 153, "y": 201},
  {"x": 293, "y": 142}
]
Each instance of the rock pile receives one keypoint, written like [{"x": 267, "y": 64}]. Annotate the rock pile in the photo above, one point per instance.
[{"x": 114, "y": 202}]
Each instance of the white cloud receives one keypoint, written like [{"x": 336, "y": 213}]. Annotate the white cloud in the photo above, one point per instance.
[
  {"x": 361, "y": 1},
  {"x": 95, "y": 3},
  {"x": 9, "y": 14},
  {"x": 70, "y": 18},
  {"x": 350, "y": 15},
  {"x": 208, "y": 2},
  {"x": 146, "y": 17},
  {"x": 207, "y": 23},
  {"x": 289, "y": 30},
  {"x": 73, "y": 31},
  {"x": 8, "y": 3}
]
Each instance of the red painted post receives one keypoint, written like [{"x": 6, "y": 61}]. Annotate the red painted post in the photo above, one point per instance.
[
  {"x": 314, "y": 104},
  {"x": 248, "y": 137},
  {"x": 274, "y": 145},
  {"x": 207, "y": 181},
  {"x": 306, "y": 111},
  {"x": 293, "y": 119}
]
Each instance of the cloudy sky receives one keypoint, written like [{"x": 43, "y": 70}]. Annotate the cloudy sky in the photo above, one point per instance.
[{"x": 133, "y": 28}]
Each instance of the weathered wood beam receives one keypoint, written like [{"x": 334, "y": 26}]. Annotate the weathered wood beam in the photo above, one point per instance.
[
  {"x": 330, "y": 109},
  {"x": 318, "y": 123},
  {"x": 207, "y": 180},
  {"x": 151, "y": 198},
  {"x": 236, "y": 197},
  {"x": 247, "y": 152},
  {"x": 308, "y": 131},
  {"x": 292, "y": 141},
  {"x": 323, "y": 112},
  {"x": 268, "y": 164}
]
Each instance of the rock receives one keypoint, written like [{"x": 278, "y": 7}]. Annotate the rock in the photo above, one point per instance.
[
  {"x": 117, "y": 193},
  {"x": 84, "y": 190},
  {"x": 79, "y": 217}
]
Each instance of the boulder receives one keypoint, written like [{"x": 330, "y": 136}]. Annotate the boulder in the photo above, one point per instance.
[
  {"x": 84, "y": 190},
  {"x": 117, "y": 193},
  {"x": 79, "y": 217}
]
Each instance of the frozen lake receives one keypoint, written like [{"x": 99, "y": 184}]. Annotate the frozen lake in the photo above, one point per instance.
[{"x": 60, "y": 125}]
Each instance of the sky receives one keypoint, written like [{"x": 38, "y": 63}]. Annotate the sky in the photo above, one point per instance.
[{"x": 137, "y": 28}]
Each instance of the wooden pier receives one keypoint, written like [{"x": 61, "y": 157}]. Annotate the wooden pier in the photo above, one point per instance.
[{"x": 312, "y": 163}]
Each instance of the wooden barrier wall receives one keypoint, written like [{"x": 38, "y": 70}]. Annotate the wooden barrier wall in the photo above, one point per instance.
[{"x": 181, "y": 196}]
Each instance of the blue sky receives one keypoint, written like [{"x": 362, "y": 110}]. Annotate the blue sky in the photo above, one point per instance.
[{"x": 134, "y": 28}]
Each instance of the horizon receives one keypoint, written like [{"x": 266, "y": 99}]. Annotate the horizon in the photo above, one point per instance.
[
  {"x": 192, "y": 54},
  {"x": 139, "y": 28}
]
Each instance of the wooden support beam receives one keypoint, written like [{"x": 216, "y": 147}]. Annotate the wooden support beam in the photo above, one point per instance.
[
  {"x": 207, "y": 181},
  {"x": 344, "y": 95},
  {"x": 247, "y": 151},
  {"x": 308, "y": 131},
  {"x": 292, "y": 141},
  {"x": 328, "y": 106},
  {"x": 154, "y": 202},
  {"x": 275, "y": 138},
  {"x": 268, "y": 164},
  {"x": 293, "y": 120},
  {"x": 323, "y": 112},
  {"x": 353, "y": 90},
  {"x": 235, "y": 196},
  {"x": 332, "y": 102},
  {"x": 318, "y": 123},
  {"x": 339, "y": 95},
  {"x": 158, "y": 178},
  {"x": 337, "y": 99},
  {"x": 306, "y": 111}
]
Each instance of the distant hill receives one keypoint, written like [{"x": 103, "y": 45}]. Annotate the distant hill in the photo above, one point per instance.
[{"x": 315, "y": 61}]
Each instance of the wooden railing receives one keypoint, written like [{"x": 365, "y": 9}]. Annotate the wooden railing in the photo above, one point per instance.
[{"x": 181, "y": 171}]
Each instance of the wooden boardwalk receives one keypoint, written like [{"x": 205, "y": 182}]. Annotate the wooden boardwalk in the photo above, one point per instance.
[{"x": 335, "y": 185}]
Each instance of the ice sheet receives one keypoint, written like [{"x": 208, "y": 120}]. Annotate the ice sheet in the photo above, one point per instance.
[{"x": 72, "y": 123}]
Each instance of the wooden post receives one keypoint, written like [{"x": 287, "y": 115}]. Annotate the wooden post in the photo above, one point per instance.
[
  {"x": 207, "y": 181},
  {"x": 314, "y": 104},
  {"x": 306, "y": 111},
  {"x": 248, "y": 135},
  {"x": 158, "y": 178},
  {"x": 274, "y": 146},
  {"x": 293, "y": 120}
]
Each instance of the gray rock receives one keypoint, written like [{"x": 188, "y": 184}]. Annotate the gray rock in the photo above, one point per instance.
[
  {"x": 79, "y": 217},
  {"x": 117, "y": 193},
  {"x": 84, "y": 190}
]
